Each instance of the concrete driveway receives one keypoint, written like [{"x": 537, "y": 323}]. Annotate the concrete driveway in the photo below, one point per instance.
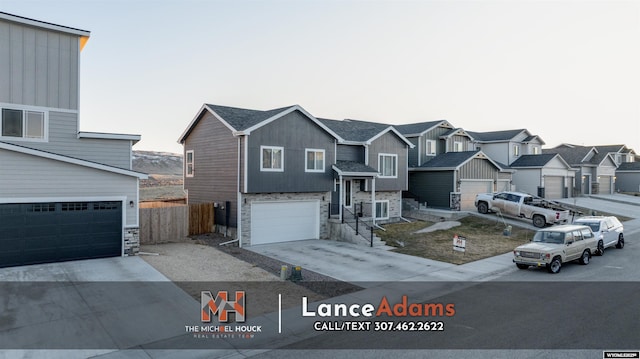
[{"x": 92, "y": 306}]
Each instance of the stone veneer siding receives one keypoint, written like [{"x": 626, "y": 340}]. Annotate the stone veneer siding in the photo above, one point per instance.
[
  {"x": 394, "y": 198},
  {"x": 283, "y": 197}
]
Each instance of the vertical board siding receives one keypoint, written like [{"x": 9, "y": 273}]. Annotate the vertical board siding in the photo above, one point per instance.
[
  {"x": 391, "y": 144},
  {"x": 215, "y": 153},
  {"x": 39, "y": 67},
  {"x": 350, "y": 153},
  {"x": 295, "y": 132},
  {"x": 478, "y": 168},
  {"x": 26, "y": 176}
]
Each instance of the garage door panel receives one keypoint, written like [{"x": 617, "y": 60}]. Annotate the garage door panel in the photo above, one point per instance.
[
  {"x": 553, "y": 187},
  {"x": 273, "y": 222},
  {"x": 49, "y": 232},
  {"x": 470, "y": 189}
]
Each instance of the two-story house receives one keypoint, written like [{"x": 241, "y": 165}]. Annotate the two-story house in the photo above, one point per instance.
[
  {"x": 65, "y": 194},
  {"x": 445, "y": 168},
  {"x": 546, "y": 177},
  {"x": 277, "y": 172},
  {"x": 595, "y": 170}
]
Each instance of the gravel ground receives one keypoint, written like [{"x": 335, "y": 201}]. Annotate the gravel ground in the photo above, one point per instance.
[{"x": 201, "y": 263}]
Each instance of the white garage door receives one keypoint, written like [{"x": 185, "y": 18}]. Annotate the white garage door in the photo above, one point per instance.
[
  {"x": 553, "y": 187},
  {"x": 469, "y": 191},
  {"x": 604, "y": 186},
  {"x": 273, "y": 222}
]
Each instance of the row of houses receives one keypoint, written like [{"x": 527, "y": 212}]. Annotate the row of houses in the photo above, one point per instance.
[
  {"x": 285, "y": 173},
  {"x": 279, "y": 175}
]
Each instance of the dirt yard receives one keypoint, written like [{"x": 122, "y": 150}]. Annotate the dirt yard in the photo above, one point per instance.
[
  {"x": 195, "y": 267},
  {"x": 484, "y": 239}
]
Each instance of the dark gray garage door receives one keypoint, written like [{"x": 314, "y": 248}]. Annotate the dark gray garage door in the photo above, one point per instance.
[{"x": 33, "y": 233}]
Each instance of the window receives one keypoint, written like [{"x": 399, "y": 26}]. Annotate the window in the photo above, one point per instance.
[
  {"x": 516, "y": 150},
  {"x": 457, "y": 146},
  {"x": 272, "y": 158},
  {"x": 23, "y": 123},
  {"x": 431, "y": 148},
  {"x": 382, "y": 209},
  {"x": 388, "y": 165},
  {"x": 188, "y": 163},
  {"x": 536, "y": 150},
  {"x": 314, "y": 160}
]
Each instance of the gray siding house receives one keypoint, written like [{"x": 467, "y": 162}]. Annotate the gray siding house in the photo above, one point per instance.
[
  {"x": 445, "y": 168},
  {"x": 65, "y": 194},
  {"x": 270, "y": 171},
  {"x": 628, "y": 177},
  {"x": 546, "y": 175},
  {"x": 275, "y": 173},
  {"x": 595, "y": 170}
]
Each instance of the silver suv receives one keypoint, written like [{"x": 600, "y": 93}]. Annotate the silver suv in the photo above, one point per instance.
[
  {"x": 608, "y": 231},
  {"x": 553, "y": 246}
]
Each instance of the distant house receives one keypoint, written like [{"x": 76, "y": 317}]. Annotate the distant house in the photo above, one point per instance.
[
  {"x": 507, "y": 146},
  {"x": 277, "y": 172},
  {"x": 445, "y": 168},
  {"x": 66, "y": 194},
  {"x": 620, "y": 153},
  {"x": 595, "y": 170},
  {"x": 628, "y": 177},
  {"x": 546, "y": 175}
]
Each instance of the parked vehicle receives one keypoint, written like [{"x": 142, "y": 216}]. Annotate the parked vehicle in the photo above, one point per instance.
[
  {"x": 608, "y": 231},
  {"x": 552, "y": 247},
  {"x": 521, "y": 205}
]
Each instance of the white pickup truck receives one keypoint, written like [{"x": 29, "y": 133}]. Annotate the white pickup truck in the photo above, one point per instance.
[{"x": 522, "y": 205}]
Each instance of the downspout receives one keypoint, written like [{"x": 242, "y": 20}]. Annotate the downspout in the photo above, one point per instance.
[
  {"x": 373, "y": 201},
  {"x": 239, "y": 199}
]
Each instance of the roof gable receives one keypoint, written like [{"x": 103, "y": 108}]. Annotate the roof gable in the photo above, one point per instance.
[
  {"x": 243, "y": 121},
  {"x": 454, "y": 160},
  {"x": 362, "y": 132}
]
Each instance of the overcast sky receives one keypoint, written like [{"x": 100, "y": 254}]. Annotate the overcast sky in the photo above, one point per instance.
[{"x": 568, "y": 71}]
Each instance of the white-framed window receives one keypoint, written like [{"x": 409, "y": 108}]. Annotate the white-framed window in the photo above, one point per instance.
[
  {"x": 23, "y": 123},
  {"x": 382, "y": 209},
  {"x": 189, "y": 161},
  {"x": 388, "y": 165},
  {"x": 457, "y": 146},
  {"x": 313, "y": 160},
  {"x": 516, "y": 150},
  {"x": 536, "y": 150},
  {"x": 271, "y": 159},
  {"x": 431, "y": 148}
]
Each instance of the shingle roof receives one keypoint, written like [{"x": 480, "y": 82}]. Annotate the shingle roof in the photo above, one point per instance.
[
  {"x": 533, "y": 160},
  {"x": 495, "y": 135},
  {"x": 354, "y": 167},
  {"x": 629, "y": 166},
  {"x": 353, "y": 130},
  {"x": 414, "y": 128},
  {"x": 574, "y": 155},
  {"x": 241, "y": 118},
  {"x": 449, "y": 159}
]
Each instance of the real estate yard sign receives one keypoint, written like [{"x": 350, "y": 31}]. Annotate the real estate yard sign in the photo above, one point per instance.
[{"x": 459, "y": 243}]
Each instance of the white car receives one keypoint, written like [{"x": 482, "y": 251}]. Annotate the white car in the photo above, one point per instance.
[{"x": 607, "y": 229}]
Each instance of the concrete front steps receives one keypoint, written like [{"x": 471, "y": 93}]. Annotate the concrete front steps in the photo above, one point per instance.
[{"x": 345, "y": 232}]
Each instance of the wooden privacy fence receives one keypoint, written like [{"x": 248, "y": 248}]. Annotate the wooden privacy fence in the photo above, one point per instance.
[
  {"x": 164, "y": 222},
  {"x": 201, "y": 218}
]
